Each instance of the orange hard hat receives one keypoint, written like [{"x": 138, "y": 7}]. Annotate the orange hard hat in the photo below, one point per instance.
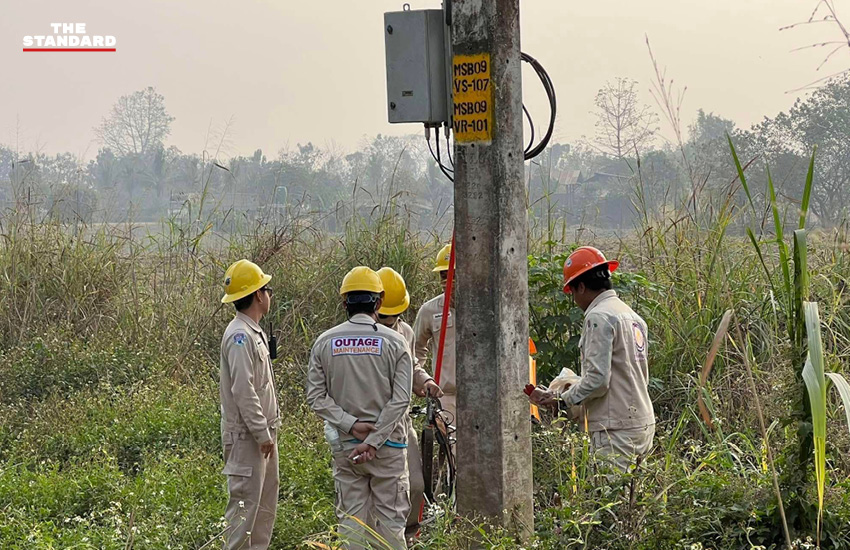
[{"x": 583, "y": 260}]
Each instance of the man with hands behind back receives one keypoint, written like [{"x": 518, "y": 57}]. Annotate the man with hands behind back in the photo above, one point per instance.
[{"x": 359, "y": 381}]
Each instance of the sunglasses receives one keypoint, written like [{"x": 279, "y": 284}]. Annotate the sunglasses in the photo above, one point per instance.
[
  {"x": 382, "y": 316},
  {"x": 268, "y": 290}
]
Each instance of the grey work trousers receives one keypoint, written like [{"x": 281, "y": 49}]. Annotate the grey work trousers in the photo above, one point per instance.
[
  {"x": 619, "y": 448},
  {"x": 373, "y": 494},
  {"x": 253, "y": 482}
]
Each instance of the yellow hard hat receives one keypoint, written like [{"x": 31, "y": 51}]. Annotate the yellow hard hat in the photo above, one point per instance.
[
  {"x": 396, "y": 297},
  {"x": 241, "y": 279},
  {"x": 361, "y": 279},
  {"x": 443, "y": 259}
]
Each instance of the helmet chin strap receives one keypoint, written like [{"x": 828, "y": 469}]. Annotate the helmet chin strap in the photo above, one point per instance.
[{"x": 362, "y": 298}]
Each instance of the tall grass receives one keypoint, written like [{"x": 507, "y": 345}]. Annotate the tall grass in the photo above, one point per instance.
[{"x": 109, "y": 342}]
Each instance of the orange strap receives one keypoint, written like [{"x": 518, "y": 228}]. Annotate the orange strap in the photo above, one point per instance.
[{"x": 532, "y": 377}]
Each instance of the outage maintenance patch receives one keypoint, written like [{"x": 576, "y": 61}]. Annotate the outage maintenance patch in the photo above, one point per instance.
[
  {"x": 472, "y": 98},
  {"x": 357, "y": 345}
]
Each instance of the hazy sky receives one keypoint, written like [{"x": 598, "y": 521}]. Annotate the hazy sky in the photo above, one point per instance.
[{"x": 289, "y": 71}]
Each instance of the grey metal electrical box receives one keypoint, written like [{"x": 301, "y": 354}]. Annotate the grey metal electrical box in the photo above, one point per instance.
[{"x": 416, "y": 66}]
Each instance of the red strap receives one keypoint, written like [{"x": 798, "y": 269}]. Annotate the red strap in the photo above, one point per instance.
[{"x": 447, "y": 301}]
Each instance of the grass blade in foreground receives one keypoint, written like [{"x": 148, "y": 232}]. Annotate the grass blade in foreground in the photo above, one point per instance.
[
  {"x": 745, "y": 347},
  {"x": 780, "y": 243},
  {"x": 740, "y": 170},
  {"x": 719, "y": 336},
  {"x": 817, "y": 384}
]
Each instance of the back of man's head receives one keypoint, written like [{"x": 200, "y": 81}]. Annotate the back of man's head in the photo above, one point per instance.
[
  {"x": 243, "y": 304},
  {"x": 597, "y": 279}
]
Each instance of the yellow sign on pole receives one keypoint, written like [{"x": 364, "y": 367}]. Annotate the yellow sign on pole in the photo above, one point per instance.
[{"x": 472, "y": 99}]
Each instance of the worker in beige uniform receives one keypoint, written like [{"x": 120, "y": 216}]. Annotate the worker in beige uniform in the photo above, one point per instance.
[
  {"x": 396, "y": 301},
  {"x": 250, "y": 415},
  {"x": 613, "y": 387},
  {"x": 359, "y": 381},
  {"x": 426, "y": 330}
]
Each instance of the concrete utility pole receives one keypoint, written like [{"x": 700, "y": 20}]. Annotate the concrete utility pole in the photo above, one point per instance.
[{"x": 494, "y": 430}]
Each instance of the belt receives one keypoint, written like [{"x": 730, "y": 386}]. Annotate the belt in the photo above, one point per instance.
[{"x": 239, "y": 428}]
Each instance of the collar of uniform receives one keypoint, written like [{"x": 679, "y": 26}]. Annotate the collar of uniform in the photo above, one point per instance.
[
  {"x": 250, "y": 322},
  {"x": 599, "y": 299},
  {"x": 363, "y": 318}
]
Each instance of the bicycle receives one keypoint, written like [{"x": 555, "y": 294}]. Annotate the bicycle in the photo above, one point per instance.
[{"x": 438, "y": 464}]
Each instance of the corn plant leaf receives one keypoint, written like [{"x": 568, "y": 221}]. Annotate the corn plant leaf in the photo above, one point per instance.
[
  {"x": 801, "y": 289},
  {"x": 816, "y": 398},
  {"x": 815, "y": 344},
  {"x": 818, "y": 404},
  {"x": 843, "y": 390},
  {"x": 807, "y": 190},
  {"x": 813, "y": 375}
]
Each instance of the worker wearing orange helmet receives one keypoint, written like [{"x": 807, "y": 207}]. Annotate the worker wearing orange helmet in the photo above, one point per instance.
[
  {"x": 396, "y": 301},
  {"x": 613, "y": 387}
]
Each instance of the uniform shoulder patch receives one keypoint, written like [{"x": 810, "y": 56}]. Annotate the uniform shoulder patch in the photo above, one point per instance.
[
  {"x": 640, "y": 337},
  {"x": 357, "y": 345},
  {"x": 239, "y": 338}
]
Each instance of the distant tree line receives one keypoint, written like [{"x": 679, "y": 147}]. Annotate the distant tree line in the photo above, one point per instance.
[{"x": 606, "y": 180}]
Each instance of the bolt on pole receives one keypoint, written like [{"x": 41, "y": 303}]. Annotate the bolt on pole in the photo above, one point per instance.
[{"x": 494, "y": 428}]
